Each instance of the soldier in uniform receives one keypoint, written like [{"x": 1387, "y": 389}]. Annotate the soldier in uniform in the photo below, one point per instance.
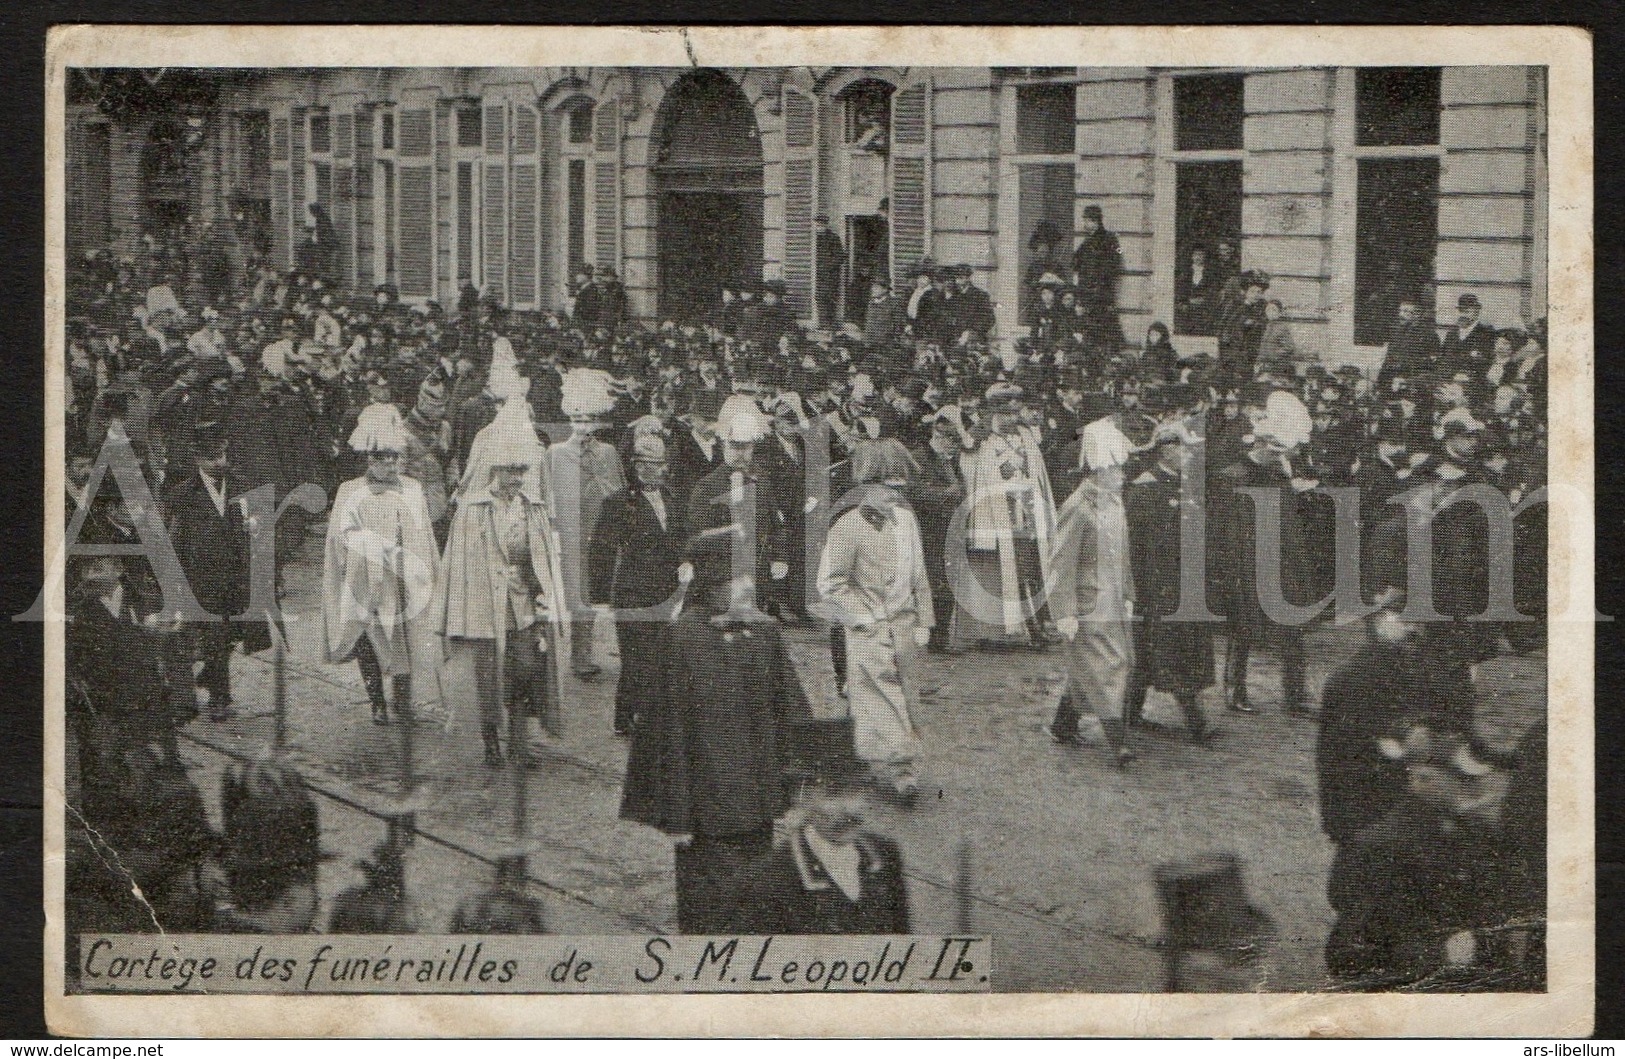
[{"x": 1171, "y": 656}]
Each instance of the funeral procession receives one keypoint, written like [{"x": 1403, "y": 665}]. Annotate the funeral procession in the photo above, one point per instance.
[{"x": 1101, "y": 510}]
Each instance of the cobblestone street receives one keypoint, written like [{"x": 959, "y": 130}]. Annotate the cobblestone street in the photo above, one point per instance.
[{"x": 1061, "y": 843}]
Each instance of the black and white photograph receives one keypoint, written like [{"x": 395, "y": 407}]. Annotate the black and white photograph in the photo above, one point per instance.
[{"x": 691, "y": 526}]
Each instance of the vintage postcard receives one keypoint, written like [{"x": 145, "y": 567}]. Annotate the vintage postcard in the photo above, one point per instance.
[{"x": 845, "y": 531}]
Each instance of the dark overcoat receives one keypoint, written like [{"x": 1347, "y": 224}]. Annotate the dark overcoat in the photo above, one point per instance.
[
  {"x": 709, "y": 752},
  {"x": 1174, "y": 656}
]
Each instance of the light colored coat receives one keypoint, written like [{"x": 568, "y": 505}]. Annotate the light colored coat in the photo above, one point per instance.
[
  {"x": 991, "y": 491},
  {"x": 476, "y": 581},
  {"x": 362, "y": 578},
  {"x": 872, "y": 573}
]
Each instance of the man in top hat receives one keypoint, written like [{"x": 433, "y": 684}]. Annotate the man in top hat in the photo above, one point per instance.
[
  {"x": 382, "y": 567},
  {"x": 1461, "y": 541},
  {"x": 1097, "y": 263},
  {"x": 972, "y": 310},
  {"x": 211, "y": 536},
  {"x": 1413, "y": 889},
  {"x": 1009, "y": 531},
  {"x": 710, "y": 751},
  {"x": 636, "y": 549},
  {"x": 1282, "y": 427},
  {"x": 1170, "y": 656},
  {"x": 936, "y": 493},
  {"x": 932, "y": 313},
  {"x": 782, "y": 459},
  {"x": 884, "y": 320},
  {"x": 830, "y": 267},
  {"x": 828, "y": 873},
  {"x": 1470, "y": 343},
  {"x": 695, "y": 450}
]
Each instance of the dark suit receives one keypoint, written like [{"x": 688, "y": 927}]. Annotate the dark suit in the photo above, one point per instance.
[
  {"x": 632, "y": 564},
  {"x": 1233, "y": 530},
  {"x": 971, "y": 310},
  {"x": 213, "y": 552},
  {"x": 1412, "y": 350},
  {"x": 787, "y": 891},
  {"x": 935, "y": 495},
  {"x": 1469, "y": 353},
  {"x": 689, "y": 464},
  {"x": 709, "y": 507},
  {"x": 787, "y": 471}
]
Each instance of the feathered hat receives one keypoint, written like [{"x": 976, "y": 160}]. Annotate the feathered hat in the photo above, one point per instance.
[{"x": 585, "y": 393}]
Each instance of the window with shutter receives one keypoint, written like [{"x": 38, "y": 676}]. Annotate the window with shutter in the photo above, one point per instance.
[
  {"x": 281, "y": 250},
  {"x": 344, "y": 220},
  {"x": 415, "y": 219},
  {"x": 524, "y": 207},
  {"x": 496, "y": 230},
  {"x": 800, "y": 196},
  {"x": 296, "y": 184},
  {"x": 910, "y": 179},
  {"x": 363, "y": 206},
  {"x": 607, "y": 184}
]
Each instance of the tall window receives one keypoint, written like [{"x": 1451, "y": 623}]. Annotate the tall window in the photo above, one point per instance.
[
  {"x": 319, "y": 164},
  {"x": 1209, "y": 118},
  {"x": 1046, "y": 119},
  {"x": 1208, "y": 112},
  {"x": 1396, "y": 225},
  {"x": 1396, "y": 144},
  {"x": 1397, "y": 106},
  {"x": 574, "y": 204},
  {"x": 467, "y": 229},
  {"x": 386, "y": 229},
  {"x": 1046, "y": 181}
]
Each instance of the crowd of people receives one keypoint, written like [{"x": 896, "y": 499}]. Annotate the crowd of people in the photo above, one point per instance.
[{"x": 493, "y": 483}]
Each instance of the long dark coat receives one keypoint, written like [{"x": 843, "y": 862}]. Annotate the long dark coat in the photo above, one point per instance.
[
  {"x": 788, "y": 892},
  {"x": 212, "y": 548},
  {"x": 1233, "y": 542},
  {"x": 709, "y": 508},
  {"x": 709, "y": 752},
  {"x": 1401, "y": 887},
  {"x": 935, "y": 494},
  {"x": 1174, "y": 656},
  {"x": 1374, "y": 696}
]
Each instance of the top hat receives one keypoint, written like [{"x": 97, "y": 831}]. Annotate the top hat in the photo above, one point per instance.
[{"x": 1205, "y": 906}]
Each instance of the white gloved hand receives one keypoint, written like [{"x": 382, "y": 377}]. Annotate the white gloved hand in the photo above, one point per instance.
[
  {"x": 922, "y": 636},
  {"x": 1067, "y": 627},
  {"x": 779, "y": 571}
]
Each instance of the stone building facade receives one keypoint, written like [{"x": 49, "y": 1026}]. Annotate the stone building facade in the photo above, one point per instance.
[{"x": 1350, "y": 186}]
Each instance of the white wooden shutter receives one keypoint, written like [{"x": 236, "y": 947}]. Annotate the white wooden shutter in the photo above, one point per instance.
[
  {"x": 910, "y": 190},
  {"x": 606, "y": 185},
  {"x": 524, "y": 207},
  {"x": 494, "y": 222},
  {"x": 296, "y": 183},
  {"x": 281, "y": 246},
  {"x": 344, "y": 206},
  {"x": 550, "y": 240},
  {"x": 415, "y": 185},
  {"x": 364, "y": 278},
  {"x": 800, "y": 197}
]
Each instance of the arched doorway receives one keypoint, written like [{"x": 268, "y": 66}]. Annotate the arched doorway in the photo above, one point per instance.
[{"x": 708, "y": 193}]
